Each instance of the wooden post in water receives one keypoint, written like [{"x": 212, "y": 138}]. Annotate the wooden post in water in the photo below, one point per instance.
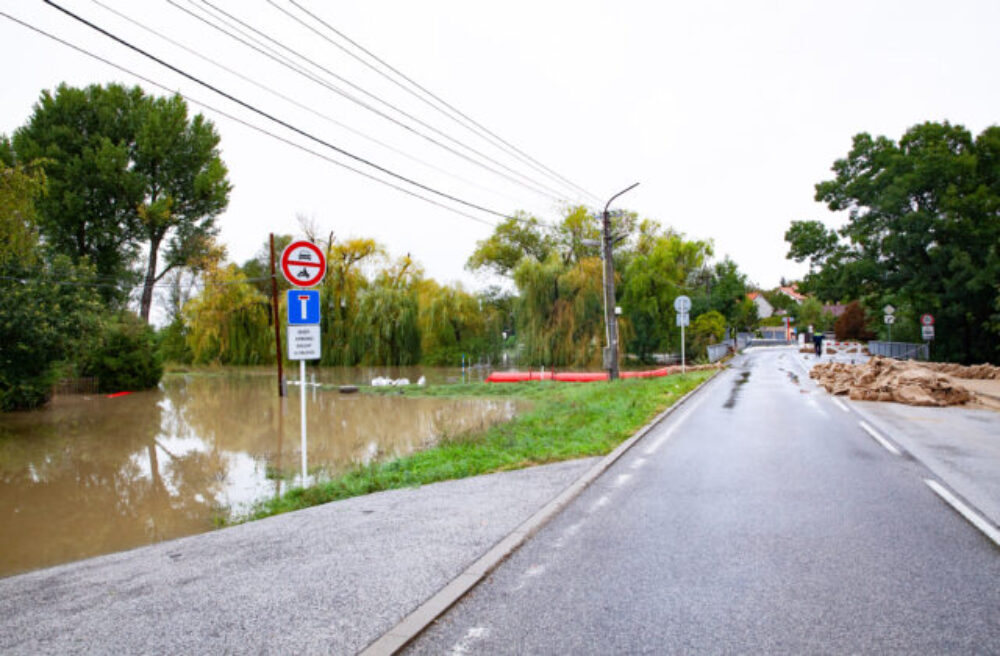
[{"x": 277, "y": 323}]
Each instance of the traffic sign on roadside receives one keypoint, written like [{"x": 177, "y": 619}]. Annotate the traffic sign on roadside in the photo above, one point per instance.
[
  {"x": 303, "y": 307},
  {"x": 303, "y": 264},
  {"x": 927, "y": 332},
  {"x": 683, "y": 319},
  {"x": 890, "y": 319},
  {"x": 888, "y": 309},
  {"x": 304, "y": 344},
  {"x": 927, "y": 320},
  {"x": 682, "y": 304}
]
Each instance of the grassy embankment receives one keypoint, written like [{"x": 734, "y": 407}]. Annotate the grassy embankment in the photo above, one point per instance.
[{"x": 564, "y": 421}]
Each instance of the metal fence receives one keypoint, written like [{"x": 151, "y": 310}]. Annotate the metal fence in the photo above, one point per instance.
[
  {"x": 717, "y": 351},
  {"x": 900, "y": 350}
]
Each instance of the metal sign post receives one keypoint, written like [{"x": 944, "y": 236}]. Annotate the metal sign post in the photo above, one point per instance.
[
  {"x": 304, "y": 265},
  {"x": 682, "y": 304},
  {"x": 889, "y": 319}
]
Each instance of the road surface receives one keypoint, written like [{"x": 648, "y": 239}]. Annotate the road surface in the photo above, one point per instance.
[{"x": 760, "y": 519}]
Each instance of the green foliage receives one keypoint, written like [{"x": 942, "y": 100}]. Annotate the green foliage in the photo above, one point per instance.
[
  {"x": 172, "y": 343},
  {"x": 124, "y": 357},
  {"x": 811, "y": 313},
  {"x": 512, "y": 240},
  {"x": 230, "y": 321},
  {"x": 45, "y": 312},
  {"x": 923, "y": 231},
  {"x": 707, "y": 328},
  {"x": 127, "y": 173}
]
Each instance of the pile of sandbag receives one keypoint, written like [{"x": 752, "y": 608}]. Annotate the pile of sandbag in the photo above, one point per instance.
[{"x": 884, "y": 379}]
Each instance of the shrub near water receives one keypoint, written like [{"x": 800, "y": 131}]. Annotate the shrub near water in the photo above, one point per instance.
[
  {"x": 125, "y": 356},
  {"x": 565, "y": 421}
]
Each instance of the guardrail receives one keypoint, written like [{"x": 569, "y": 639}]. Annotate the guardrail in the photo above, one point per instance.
[
  {"x": 900, "y": 350},
  {"x": 717, "y": 351}
]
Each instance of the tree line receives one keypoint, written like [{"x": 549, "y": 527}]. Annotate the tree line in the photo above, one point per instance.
[{"x": 108, "y": 194}]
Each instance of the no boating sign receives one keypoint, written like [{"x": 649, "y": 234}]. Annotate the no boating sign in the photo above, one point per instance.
[{"x": 303, "y": 264}]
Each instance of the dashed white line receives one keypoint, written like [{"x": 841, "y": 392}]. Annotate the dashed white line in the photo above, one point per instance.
[
  {"x": 969, "y": 514},
  {"x": 840, "y": 404},
  {"x": 472, "y": 635},
  {"x": 622, "y": 480},
  {"x": 600, "y": 503},
  {"x": 886, "y": 444},
  {"x": 637, "y": 463}
]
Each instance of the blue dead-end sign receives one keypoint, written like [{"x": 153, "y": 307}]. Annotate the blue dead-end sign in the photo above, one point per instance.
[{"x": 303, "y": 307}]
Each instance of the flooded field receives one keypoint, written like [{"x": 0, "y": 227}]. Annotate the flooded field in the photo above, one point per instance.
[{"x": 90, "y": 475}]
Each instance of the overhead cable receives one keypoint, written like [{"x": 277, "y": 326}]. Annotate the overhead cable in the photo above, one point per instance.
[
  {"x": 275, "y": 119},
  {"x": 482, "y": 130}
]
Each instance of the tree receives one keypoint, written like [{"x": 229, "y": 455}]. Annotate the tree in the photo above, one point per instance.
[
  {"x": 47, "y": 305},
  {"x": 923, "y": 230},
  {"x": 130, "y": 176},
  {"x": 708, "y": 328},
  {"x": 512, "y": 239}
]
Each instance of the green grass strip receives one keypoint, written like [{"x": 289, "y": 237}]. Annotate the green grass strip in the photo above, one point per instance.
[{"x": 565, "y": 421}]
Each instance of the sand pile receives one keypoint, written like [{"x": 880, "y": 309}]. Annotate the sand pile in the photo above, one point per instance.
[
  {"x": 972, "y": 372},
  {"x": 884, "y": 379}
]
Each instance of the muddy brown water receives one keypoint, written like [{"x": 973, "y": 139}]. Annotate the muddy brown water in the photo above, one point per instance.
[{"x": 90, "y": 475}]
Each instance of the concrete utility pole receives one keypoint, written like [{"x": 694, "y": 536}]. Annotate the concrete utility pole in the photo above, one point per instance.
[{"x": 610, "y": 318}]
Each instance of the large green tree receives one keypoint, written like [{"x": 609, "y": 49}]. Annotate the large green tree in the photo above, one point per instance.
[
  {"x": 133, "y": 181},
  {"x": 923, "y": 233}
]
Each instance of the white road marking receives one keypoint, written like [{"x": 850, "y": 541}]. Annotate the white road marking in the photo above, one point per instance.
[
  {"x": 878, "y": 438},
  {"x": 472, "y": 635},
  {"x": 622, "y": 480},
  {"x": 811, "y": 402},
  {"x": 972, "y": 516},
  {"x": 637, "y": 463},
  {"x": 600, "y": 503},
  {"x": 840, "y": 404}
]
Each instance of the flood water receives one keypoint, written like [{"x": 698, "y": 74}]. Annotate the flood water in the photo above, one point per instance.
[{"x": 90, "y": 475}]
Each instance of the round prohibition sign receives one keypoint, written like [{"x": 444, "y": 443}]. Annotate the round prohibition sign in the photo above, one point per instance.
[{"x": 303, "y": 263}]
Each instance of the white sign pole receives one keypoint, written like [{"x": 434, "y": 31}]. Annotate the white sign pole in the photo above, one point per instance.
[
  {"x": 302, "y": 393},
  {"x": 683, "y": 368}
]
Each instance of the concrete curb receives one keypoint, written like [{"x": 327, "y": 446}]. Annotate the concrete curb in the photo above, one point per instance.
[{"x": 414, "y": 624}]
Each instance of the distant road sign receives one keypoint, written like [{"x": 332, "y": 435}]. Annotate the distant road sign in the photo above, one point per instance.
[
  {"x": 888, "y": 309},
  {"x": 682, "y": 304},
  {"x": 927, "y": 319},
  {"x": 303, "y": 264},
  {"x": 683, "y": 319},
  {"x": 927, "y": 332},
  {"x": 303, "y": 307},
  {"x": 889, "y": 319}
]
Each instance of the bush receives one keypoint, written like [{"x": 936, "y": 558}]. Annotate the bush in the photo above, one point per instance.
[
  {"x": 172, "y": 340},
  {"x": 853, "y": 324},
  {"x": 125, "y": 356}
]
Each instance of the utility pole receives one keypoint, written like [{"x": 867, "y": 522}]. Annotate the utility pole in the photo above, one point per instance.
[{"x": 610, "y": 318}]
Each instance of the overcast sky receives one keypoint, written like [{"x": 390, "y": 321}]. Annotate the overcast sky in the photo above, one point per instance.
[{"x": 727, "y": 113}]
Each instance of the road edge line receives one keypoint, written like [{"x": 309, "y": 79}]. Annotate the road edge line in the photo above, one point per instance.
[
  {"x": 886, "y": 444},
  {"x": 970, "y": 515},
  {"x": 415, "y": 622}
]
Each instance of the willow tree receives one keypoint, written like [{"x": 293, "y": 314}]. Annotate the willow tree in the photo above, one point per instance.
[
  {"x": 561, "y": 311},
  {"x": 388, "y": 312},
  {"x": 341, "y": 288},
  {"x": 453, "y": 322},
  {"x": 229, "y": 321}
]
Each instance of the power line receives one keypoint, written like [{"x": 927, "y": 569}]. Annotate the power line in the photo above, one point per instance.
[
  {"x": 533, "y": 185},
  {"x": 248, "y": 124},
  {"x": 300, "y": 105},
  {"x": 272, "y": 118},
  {"x": 483, "y": 130}
]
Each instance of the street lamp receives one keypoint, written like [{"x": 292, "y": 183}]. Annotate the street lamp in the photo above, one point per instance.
[{"x": 610, "y": 318}]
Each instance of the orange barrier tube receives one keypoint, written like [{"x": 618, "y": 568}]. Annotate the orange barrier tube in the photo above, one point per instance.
[{"x": 570, "y": 376}]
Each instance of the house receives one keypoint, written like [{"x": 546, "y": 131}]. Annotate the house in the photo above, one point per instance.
[
  {"x": 835, "y": 309},
  {"x": 792, "y": 292},
  {"x": 764, "y": 309}
]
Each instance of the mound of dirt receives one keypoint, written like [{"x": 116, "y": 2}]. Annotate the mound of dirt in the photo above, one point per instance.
[{"x": 884, "y": 379}]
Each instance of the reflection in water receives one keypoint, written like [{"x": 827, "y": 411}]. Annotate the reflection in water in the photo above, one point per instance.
[{"x": 92, "y": 475}]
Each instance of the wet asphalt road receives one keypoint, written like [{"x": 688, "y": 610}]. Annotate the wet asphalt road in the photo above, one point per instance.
[{"x": 761, "y": 519}]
